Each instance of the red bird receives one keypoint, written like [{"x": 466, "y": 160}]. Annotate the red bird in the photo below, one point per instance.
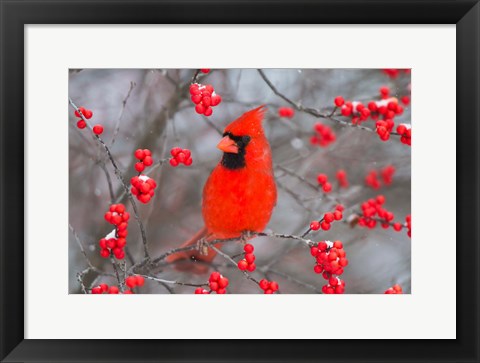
[{"x": 240, "y": 193}]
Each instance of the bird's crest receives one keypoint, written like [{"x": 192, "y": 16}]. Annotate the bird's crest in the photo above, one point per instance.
[{"x": 250, "y": 123}]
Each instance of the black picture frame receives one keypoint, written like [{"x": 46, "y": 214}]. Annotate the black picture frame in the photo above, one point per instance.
[{"x": 16, "y": 14}]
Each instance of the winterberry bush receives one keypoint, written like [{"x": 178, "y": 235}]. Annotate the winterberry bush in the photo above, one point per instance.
[{"x": 142, "y": 144}]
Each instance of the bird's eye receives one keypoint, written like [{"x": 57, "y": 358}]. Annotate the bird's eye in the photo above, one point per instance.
[{"x": 246, "y": 139}]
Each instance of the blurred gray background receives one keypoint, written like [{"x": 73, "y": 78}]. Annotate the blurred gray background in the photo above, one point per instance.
[{"x": 158, "y": 116}]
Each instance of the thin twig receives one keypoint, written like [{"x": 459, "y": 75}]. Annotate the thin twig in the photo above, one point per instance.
[
  {"x": 115, "y": 269},
  {"x": 173, "y": 282},
  {"x": 102, "y": 165},
  {"x": 292, "y": 279},
  {"x": 124, "y": 105}
]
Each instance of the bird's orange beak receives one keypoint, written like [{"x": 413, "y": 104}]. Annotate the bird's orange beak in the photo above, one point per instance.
[{"x": 228, "y": 145}]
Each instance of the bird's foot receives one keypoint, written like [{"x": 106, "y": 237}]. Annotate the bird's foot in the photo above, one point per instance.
[
  {"x": 246, "y": 235},
  {"x": 202, "y": 246}
]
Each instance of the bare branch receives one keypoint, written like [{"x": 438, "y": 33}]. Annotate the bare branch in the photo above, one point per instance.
[{"x": 124, "y": 105}]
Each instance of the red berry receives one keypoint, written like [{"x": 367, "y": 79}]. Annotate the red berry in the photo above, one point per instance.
[
  {"x": 88, "y": 114},
  {"x": 139, "y": 154},
  {"x": 216, "y": 99},
  {"x": 339, "y": 101},
  {"x": 194, "y": 89},
  {"x": 97, "y": 129},
  {"x": 139, "y": 167},
  {"x": 397, "y": 226},
  {"x": 200, "y": 109},
  {"x": 250, "y": 257},
  {"x": 242, "y": 265},
  {"x": 329, "y": 218},
  {"x": 222, "y": 282},
  {"x": 208, "y": 111},
  {"x": 214, "y": 276},
  {"x": 147, "y": 161},
  {"x": 104, "y": 253},
  {"x": 337, "y": 215},
  {"x": 140, "y": 280},
  {"x": 205, "y": 70},
  {"x": 81, "y": 124},
  {"x": 248, "y": 248},
  {"x": 406, "y": 100},
  {"x": 274, "y": 286},
  {"x": 131, "y": 281},
  {"x": 315, "y": 225},
  {"x": 264, "y": 284},
  {"x": 97, "y": 290},
  {"x": 322, "y": 179},
  {"x": 327, "y": 187},
  {"x": 325, "y": 226},
  {"x": 113, "y": 290},
  {"x": 213, "y": 286},
  {"x": 81, "y": 109}
]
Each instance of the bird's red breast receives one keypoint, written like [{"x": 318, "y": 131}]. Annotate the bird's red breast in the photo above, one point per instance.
[{"x": 240, "y": 193}]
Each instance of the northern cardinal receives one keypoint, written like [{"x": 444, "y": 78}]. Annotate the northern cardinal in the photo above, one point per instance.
[{"x": 240, "y": 193}]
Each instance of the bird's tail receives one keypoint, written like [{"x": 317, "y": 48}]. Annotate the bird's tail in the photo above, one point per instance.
[{"x": 193, "y": 260}]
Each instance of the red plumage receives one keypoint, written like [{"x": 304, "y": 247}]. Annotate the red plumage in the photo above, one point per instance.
[{"x": 240, "y": 193}]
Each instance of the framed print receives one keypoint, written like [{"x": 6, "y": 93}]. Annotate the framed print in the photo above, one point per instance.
[{"x": 287, "y": 168}]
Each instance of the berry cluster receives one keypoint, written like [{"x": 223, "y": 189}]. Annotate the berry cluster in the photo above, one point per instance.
[
  {"x": 205, "y": 98},
  {"x": 384, "y": 128},
  {"x": 387, "y": 174},
  {"x": 268, "y": 287},
  {"x": 394, "y": 72},
  {"x": 387, "y": 108},
  {"x": 218, "y": 283},
  {"x": 335, "y": 286},
  {"x": 143, "y": 187},
  {"x": 395, "y": 289},
  {"x": 286, "y": 112},
  {"x": 373, "y": 211},
  {"x": 104, "y": 288},
  {"x": 405, "y": 131},
  {"x": 372, "y": 180},
  {"x": 180, "y": 155},
  {"x": 134, "y": 280},
  {"x": 248, "y": 262},
  {"x": 323, "y": 181},
  {"x": 327, "y": 220},
  {"x": 324, "y": 135},
  {"x": 115, "y": 241},
  {"x": 342, "y": 178},
  {"x": 144, "y": 158},
  {"x": 81, "y": 124},
  {"x": 330, "y": 258}
]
